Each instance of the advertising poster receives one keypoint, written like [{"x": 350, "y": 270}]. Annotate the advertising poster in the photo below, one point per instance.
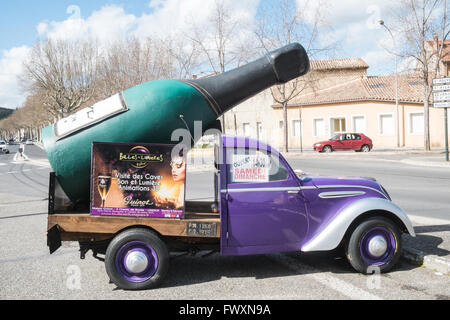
[
  {"x": 250, "y": 168},
  {"x": 137, "y": 180}
]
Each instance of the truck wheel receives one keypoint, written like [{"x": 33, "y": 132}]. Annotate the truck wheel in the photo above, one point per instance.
[
  {"x": 137, "y": 259},
  {"x": 374, "y": 246}
]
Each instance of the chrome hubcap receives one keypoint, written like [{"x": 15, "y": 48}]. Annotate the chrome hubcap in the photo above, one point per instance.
[
  {"x": 378, "y": 246},
  {"x": 136, "y": 262}
]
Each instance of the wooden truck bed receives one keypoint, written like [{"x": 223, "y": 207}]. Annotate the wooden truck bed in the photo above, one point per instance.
[{"x": 84, "y": 227}]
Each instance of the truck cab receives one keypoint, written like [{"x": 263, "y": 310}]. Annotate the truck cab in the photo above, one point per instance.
[{"x": 286, "y": 211}]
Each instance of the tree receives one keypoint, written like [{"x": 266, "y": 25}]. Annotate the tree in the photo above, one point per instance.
[
  {"x": 222, "y": 47},
  {"x": 280, "y": 24},
  {"x": 417, "y": 22},
  {"x": 64, "y": 72},
  {"x": 129, "y": 62}
]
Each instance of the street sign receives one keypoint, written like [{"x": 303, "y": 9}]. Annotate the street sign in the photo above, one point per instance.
[
  {"x": 441, "y": 81},
  {"x": 441, "y": 99},
  {"x": 441, "y": 88},
  {"x": 441, "y": 96},
  {"x": 441, "y": 104}
]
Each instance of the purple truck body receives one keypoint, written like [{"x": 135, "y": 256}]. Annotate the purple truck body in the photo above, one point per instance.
[
  {"x": 265, "y": 207},
  {"x": 290, "y": 214}
]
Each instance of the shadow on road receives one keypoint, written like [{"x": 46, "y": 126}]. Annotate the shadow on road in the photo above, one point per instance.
[
  {"x": 430, "y": 244},
  {"x": 188, "y": 270}
]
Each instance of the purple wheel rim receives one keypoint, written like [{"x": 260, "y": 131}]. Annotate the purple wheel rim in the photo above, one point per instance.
[
  {"x": 391, "y": 247},
  {"x": 133, "y": 247}
]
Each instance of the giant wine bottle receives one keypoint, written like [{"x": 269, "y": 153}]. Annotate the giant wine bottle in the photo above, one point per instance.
[{"x": 150, "y": 112}]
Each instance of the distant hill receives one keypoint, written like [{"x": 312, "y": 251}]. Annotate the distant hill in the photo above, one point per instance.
[{"x": 5, "y": 112}]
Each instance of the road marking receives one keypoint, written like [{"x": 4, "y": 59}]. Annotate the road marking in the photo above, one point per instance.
[
  {"x": 327, "y": 280},
  {"x": 40, "y": 163},
  {"x": 427, "y": 220}
]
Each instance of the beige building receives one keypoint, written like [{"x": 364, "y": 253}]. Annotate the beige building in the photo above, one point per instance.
[{"x": 341, "y": 98}]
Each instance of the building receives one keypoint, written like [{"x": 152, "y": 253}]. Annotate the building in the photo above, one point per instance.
[
  {"x": 432, "y": 48},
  {"x": 341, "y": 97}
]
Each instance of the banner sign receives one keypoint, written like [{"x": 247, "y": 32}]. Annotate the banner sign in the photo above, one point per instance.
[
  {"x": 137, "y": 180},
  {"x": 250, "y": 168}
]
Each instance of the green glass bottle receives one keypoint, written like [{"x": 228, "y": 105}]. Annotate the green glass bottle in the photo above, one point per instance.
[{"x": 150, "y": 112}]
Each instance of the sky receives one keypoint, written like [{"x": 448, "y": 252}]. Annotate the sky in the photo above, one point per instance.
[{"x": 352, "y": 24}]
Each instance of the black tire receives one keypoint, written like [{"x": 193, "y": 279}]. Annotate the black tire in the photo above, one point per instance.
[
  {"x": 116, "y": 269},
  {"x": 327, "y": 149},
  {"x": 365, "y": 148},
  {"x": 356, "y": 246}
]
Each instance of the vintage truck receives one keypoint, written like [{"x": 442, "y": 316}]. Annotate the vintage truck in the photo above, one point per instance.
[{"x": 253, "y": 213}]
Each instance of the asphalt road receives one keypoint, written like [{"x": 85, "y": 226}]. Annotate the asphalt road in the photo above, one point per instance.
[{"x": 27, "y": 271}]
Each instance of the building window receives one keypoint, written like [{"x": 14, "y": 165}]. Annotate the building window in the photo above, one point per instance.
[
  {"x": 386, "y": 124},
  {"x": 338, "y": 125},
  {"x": 246, "y": 129},
  {"x": 416, "y": 123},
  {"x": 359, "y": 124},
  {"x": 318, "y": 127},
  {"x": 259, "y": 130},
  {"x": 296, "y": 128},
  {"x": 281, "y": 124}
]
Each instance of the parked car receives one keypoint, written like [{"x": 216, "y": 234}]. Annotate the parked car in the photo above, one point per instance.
[
  {"x": 345, "y": 141},
  {"x": 11, "y": 142},
  {"x": 3, "y": 148},
  {"x": 28, "y": 142}
]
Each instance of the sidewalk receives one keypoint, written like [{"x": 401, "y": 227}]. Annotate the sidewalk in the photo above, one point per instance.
[
  {"x": 431, "y": 246},
  {"x": 417, "y": 157}
]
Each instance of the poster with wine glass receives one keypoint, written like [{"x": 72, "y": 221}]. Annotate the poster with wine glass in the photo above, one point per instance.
[{"x": 138, "y": 180}]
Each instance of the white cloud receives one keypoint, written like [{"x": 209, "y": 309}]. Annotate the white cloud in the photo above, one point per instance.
[
  {"x": 353, "y": 23},
  {"x": 11, "y": 66},
  {"x": 110, "y": 23},
  {"x": 107, "y": 24},
  {"x": 177, "y": 16}
]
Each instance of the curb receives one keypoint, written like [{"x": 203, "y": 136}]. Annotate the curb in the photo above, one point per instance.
[
  {"x": 432, "y": 262},
  {"x": 425, "y": 163}
]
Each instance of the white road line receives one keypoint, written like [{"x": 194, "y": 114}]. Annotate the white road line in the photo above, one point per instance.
[
  {"x": 345, "y": 288},
  {"x": 327, "y": 280},
  {"x": 427, "y": 220}
]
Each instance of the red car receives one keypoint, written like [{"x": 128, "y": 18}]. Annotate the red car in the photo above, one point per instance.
[{"x": 345, "y": 141}]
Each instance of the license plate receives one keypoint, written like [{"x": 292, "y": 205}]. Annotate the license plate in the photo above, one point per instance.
[{"x": 201, "y": 229}]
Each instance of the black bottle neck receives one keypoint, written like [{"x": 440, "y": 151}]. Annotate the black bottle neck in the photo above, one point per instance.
[{"x": 228, "y": 89}]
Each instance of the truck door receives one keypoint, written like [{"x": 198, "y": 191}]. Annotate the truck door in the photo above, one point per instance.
[{"x": 266, "y": 209}]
